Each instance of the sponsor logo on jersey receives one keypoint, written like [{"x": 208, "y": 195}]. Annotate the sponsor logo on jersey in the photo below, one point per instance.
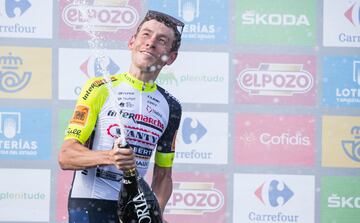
[
  {"x": 80, "y": 115},
  {"x": 144, "y": 120}
]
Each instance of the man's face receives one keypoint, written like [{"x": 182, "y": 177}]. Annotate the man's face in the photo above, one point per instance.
[{"x": 151, "y": 47}]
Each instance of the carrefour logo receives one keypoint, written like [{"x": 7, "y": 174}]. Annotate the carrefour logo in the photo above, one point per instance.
[
  {"x": 275, "y": 19},
  {"x": 99, "y": 66},
  {"x": 352, "y": 14},
  {"x": 192, "y": 131},
  {"x": 352, "y": 147},
  {"x": 11, "y": 80},
  {"x": 274, "y": 193},
  {"x": 102, "y": 17},
  {"x": 15, "y": 8},
  {"x": 275, "y": 79}
]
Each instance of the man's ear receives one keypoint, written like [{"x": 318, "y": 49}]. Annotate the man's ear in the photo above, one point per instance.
[
  {"x": 172, "y": 58},
  {"x": 131, "y": 42}
]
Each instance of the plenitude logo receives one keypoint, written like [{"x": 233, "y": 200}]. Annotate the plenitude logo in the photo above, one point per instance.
[
  {"x": 278, "y": 22},
  {"x": 340, "y": 199},
  {"x": 341, "y": 81},
  {"x": 202, "y": 24},
  {"x": 24, "y": 76},
  {"x": 273, "y": 198},
  {"x": 211, "y": 72},
  {"x": 341, "y": 141},
  {"x": 112, "y": 20},
  {"x": 344, "y": 30},
  {"x": 31, "y": 197},
  {"x": 197, "y": 197},
  {"x": 286, "y": 140},
  {"x": 278, "y": 80}
]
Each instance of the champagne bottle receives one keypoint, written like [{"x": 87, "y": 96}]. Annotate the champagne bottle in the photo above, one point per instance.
[{"x": 137, "y": 202}]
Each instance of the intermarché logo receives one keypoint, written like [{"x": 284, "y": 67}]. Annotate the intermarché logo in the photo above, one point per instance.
[{"x": 22, "y": 196}]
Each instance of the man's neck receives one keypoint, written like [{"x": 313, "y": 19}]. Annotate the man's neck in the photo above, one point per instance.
[{"x": 144, "y": 75}]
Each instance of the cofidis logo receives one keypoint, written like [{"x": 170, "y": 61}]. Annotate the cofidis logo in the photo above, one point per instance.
[
  {"x": 278, "y": 80},
  {"x": 197, "y": 197},
  {"x": 341, "y": 23},
  {"x": 273, "y": 198},
  {"x": 114, "y": 20},
  {"x": 341, "y": 81},
  {"x": 203, "y": 23},
  {"x": 340, "y": 199},
  {"x": 341, "y": 141},
  {"x": 25, "y": 134},
  {"x": 279, "y": 22},
  {"x": 275, "y": 140},
  {"x": 23, "y": 75}
]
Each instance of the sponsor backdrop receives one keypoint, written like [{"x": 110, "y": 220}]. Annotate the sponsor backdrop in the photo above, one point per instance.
[{"x": 270, "y": 91}]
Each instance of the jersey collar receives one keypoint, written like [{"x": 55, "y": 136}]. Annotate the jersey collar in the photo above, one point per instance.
[{"x": 138, "y": 84}]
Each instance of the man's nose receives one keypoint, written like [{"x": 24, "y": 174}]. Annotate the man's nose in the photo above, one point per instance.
[{"x": 150, "y": 42}]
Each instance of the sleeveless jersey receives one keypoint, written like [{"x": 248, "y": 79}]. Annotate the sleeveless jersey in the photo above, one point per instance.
[{"x": 150, "y": 115}]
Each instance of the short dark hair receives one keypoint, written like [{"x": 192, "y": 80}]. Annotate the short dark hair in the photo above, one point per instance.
[{"x": 169, "y": 21}]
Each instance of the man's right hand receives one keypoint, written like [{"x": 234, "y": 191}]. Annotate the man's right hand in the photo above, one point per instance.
[{"x": 122, "y": 157}]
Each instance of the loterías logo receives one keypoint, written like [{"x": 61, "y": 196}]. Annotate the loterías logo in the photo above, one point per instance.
[
  {"x": 353, "y": 14},
  {"x": 269, "y": 193}
]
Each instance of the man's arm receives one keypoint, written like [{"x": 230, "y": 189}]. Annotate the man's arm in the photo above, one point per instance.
[
  {"x": 75, "y": 156},
  {"x": 162, "y": 184}
]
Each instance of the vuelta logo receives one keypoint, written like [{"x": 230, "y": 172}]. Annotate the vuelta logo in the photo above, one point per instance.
[
  {"x": 194, "y": 198},
  {"x": 99, "y": 66},
  {"x": 100, "y": 17},
  {"x": 192, "y": 128},
  {"x": 255, "y": 18},
  {"x": 352, "y": 147},
  {"x": 353, "y": 14},
  {"x": 274, "y": 193},
  {"x": 275, "y": 79},
  {"x": 11, "y": 79},
  {"x": 15, "y": 8}
]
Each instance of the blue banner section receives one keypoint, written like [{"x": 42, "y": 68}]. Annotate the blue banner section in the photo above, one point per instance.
[
  {"x": 206, "y": 22},
  {"x": 341, "y": 81},
  {"x": 25, "y": 134}
]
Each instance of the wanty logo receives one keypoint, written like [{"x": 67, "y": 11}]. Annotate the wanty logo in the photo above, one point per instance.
[
  {"x": 270, "y": 194},
  {"x": 275, "y": 19},
  {"x": 10, "y": 80},
  {"x": 15, "y": 8},
  {"x": 192, "y": 131},
  {"x": 194, "y": 198},
  {"x": 102, "y": 16},
  {"x": 353, "y": 14},
  {"x": 99, "y": 66},
  {"x": 275, "y": 79},
  {"x": 352, "y": 147}
]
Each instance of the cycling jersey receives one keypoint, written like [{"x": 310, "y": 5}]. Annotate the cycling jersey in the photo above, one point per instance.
[{"x": 150, "y": 115}]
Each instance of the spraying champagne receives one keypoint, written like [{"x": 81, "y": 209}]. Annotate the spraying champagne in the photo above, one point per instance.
[{"x": 137, "y": 202}]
